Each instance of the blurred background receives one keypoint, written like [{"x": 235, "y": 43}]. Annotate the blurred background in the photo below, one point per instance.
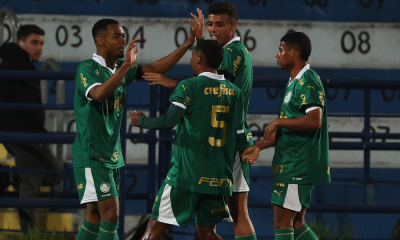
[{"x": 355, "y": 51}]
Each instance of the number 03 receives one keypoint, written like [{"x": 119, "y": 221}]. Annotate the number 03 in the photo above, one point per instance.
[{"x": 218, "y": 124}]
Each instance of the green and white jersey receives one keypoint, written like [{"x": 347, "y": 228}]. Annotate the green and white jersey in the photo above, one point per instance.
[
  {"x": 237, "y": 61},
  {"x": 302, "y": 157},
  {"x": 205, "y": 141},
  {"x": 97, "y": 142}
]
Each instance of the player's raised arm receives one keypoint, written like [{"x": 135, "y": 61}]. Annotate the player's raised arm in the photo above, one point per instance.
[{"x": 101, "y": 92}]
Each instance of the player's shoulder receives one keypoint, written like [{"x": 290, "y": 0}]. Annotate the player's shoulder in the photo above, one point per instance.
[
  {"x": 236, "y": 47},
  {"x": 310, "y": 76},
  {"x": 88, "y": 64}
]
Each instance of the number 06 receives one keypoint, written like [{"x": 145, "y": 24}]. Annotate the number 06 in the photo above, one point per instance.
[{"x": 218, "y": 124}]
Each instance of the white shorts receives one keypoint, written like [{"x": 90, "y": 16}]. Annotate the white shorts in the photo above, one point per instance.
[{"x": 240, "y": 184}]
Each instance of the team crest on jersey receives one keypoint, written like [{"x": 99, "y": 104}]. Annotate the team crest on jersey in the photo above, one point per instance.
[
  {"x": 105, "y": 187},
  {"x": 287, "y": 97}
]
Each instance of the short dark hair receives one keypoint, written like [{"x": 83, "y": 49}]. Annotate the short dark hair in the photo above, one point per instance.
[
  {"x": 224, "y": 7},
  {"x": 300, "y": 42},
  {"x": 26, "y": 30},
  {"x": 101, "y": 26},
  {"x": 212, "y": 51}
]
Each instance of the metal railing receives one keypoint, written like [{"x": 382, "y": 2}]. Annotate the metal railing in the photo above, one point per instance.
[{"x": 8, "y": 12}]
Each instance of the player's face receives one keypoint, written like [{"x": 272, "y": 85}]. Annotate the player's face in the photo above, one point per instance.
[
  {"x": 114, "y": 40},
  {"x": 193, "y": 62},
  {"x": 220, "y": 28},
  {"x": 33, "y": 44},
  {"x": 284, "y": 57}
]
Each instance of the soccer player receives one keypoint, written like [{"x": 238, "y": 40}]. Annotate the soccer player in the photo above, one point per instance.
[
  {"x": 300, "y": 136},
  {"x": 237, "y": 68},
  {"x": 209, "y": 112},
  {"x": 100, "y": 93}
]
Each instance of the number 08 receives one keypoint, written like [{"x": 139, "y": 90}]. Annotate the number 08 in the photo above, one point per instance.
[{"x": 218, "y": 124}]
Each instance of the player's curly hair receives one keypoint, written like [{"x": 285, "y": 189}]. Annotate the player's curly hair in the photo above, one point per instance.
[
  {"x": 26, "y": 30},
  {"x": 212, "y": 51},
  {"x": 300, "y": 42},
  {"x": 224, "y": 7},
  {"x": 101, "y": 26}
]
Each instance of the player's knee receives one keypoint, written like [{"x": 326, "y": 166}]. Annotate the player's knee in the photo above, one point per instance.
[
  {"x": 281, "y": 222},
  {"x": 111, "y": 215}
]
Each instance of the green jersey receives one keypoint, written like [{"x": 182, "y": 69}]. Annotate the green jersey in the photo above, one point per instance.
[
  {"x": 302, "y": 157},
  {"x": 205, "y": 141},
  {"x": 97, "y": 142},
  {"x": 237, "y": 62}
]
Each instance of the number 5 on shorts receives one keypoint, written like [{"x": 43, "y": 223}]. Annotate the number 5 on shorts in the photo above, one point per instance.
[{"x": 218, "y": 124}]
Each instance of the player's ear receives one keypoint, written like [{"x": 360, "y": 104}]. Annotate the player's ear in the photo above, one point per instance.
[
  {"x": 234, "y": 26},
  {"x": 198, "y": 59},
  {"x": 99, "y": 41}
]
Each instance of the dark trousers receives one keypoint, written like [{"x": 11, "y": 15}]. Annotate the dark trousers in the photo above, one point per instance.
[{"x": 38, "y": 157}]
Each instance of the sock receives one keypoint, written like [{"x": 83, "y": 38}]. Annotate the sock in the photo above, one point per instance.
[
  {"x": 251, "y": 236},
  {"x": 284, "y": 234},
  {"x": 305, "y": 233},
  {"x": 108, "y": 231},
  {"x": 88, "y": 231}
]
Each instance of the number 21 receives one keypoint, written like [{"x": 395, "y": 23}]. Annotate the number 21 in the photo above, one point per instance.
[{"x": 218, "y": 124}]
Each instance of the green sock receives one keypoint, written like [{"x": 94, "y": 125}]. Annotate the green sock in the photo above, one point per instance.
[
  {"x": 251, "y": 236},
  {"x": 284, "y": 234},
  {"x": 88, "y": 231},
  {"x": 108, "y": 231},
  {"x": 305, "y": 233}
]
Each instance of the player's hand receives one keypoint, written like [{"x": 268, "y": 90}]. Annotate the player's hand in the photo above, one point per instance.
[
  {"x": 198, "y": 26},
  {"x": 131, "y": 52},
  {"x": 271, "y": 128},
  {"x": 157, "y": 78},
  {"x": 250, "y": 155},
  {"x": 135, "y": 116}
]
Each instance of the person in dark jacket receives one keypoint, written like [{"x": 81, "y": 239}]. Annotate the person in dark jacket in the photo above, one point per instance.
[{"x": 20, "y": 56}]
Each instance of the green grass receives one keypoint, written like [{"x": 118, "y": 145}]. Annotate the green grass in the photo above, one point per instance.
[
  {"x": 328, "y": 232},
  {"x": 35, "y": 234}
]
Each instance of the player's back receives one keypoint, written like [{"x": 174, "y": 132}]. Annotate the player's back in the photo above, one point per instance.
[{"x": 205, "y": 139}]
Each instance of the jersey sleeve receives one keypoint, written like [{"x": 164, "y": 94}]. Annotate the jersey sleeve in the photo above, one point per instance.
[
  {"x": 311, "y": 95},
  {"x": 131, "y": 74},
  {"x": 183, "y": 95},
  {"x": 233, "y": 61},
  {"x": 87, "y": 77},
  {"x": 241, "y": 139}
]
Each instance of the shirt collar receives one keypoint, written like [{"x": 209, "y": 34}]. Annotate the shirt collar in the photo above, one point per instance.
[
  {"x": 233, "y": 40},
  {"x": 212, "y": 75},
  {"x": 305, "y": 68},
  {"x": 99, "y": 59}
]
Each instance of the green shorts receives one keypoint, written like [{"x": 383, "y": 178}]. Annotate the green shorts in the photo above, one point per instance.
[
  {"x": 96, "y": 184},
  {"x": 176, "y": 206},
  {"x": 291, "y": 196}
]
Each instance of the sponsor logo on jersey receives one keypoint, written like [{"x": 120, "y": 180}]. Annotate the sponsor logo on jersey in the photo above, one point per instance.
[
  {"x": 230, "y": 49},
  {"x": 115, "y": 156},
  {"x": 236, "y": 64},
  {"x": 329, "y": 170},
  {"x": 105, "y": 187},
  {"x": 321, "y": 98},
  {"x": 249, "y": 135},
  {"x": 297, "y": 178},
  {"x": 97, "y": 72},
  {"x": 311, "y": 87},
  {"x": 287, "y": 97},
  {"x": 106, "y": 195},
  {"x": 215, "y": 182},
  {"x": 279, "y": 193},
  {"x": 219, "y": 91},
  {"x": 184, "y": 88},
  {"x": 79, "y": 186},
  {"x": 83, "y": 80},
  {"x": 277, "y": 168},
  {"x": 303, "y": 96},
  {"x": 186, "y": 102},
  {"x": 220, "y": 210}
]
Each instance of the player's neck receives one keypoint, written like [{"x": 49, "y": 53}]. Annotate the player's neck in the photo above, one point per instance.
[
  {"x": 110, "y": 61},
  {"x": 211, "y": 70},
  {"x": 296, "y": 69}
]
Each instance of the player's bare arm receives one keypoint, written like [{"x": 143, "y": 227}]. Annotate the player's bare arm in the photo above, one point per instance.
[
  {"x": 155, "y": 78},
  {"x": 101, "y": 92},
  {"x": 166, "y": 63},
  {"x": 250, "y": 155},
  {"x": 309, "y": 122}
]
